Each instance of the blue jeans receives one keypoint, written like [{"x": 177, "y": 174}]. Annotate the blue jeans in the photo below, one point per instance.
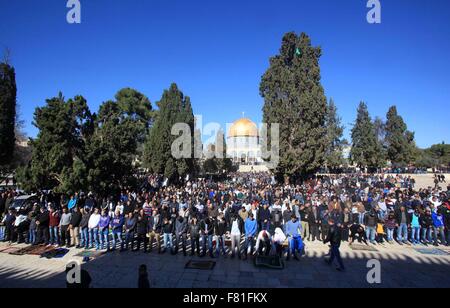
[
  {"x": 296, "y": 243},
  {"x": 440, "y": 231},
  {"x": 249, "y": 241},
  {"x": 168, "y": 241},
  {"x": 402, "y": 233},
  {"x": 415, "y": 235},
  {"x": 207, "y": 238},
  {"x": 85, "y": 238},
  {"x": 54, "y": 231},
  {"x": 426, "y": 235},
  {"x": 93, "y": 238},
  {"x": 129, "y": 238},
  {"x": 118, "y": 234},
  {"x": 104, "y": 238},
  {"x": 220, "y": 244},
  {"x": 371, "y": 232},
  {"x": 31, "y": 236},
  {"x": 390, "y": 234}
]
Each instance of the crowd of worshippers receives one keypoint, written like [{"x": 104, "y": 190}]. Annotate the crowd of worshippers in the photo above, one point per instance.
[{"x": 244, "y": 215}]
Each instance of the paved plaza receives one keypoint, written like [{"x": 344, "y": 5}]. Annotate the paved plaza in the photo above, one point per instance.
[{"x": 401, "y": 266}]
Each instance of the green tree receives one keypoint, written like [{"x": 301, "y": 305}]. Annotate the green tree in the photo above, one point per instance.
[
  {"x": 8, "y": 93},
  {"x": 366, "y": 149},
  {"x": 335, "y": 131},
  {"x": 294, "y": 98},
  {"x": 174, "y": 108},
  {"x": 112, "y": 151},
  {"x": 57, "y": 159},
  {"x": 399, "y": 141}
]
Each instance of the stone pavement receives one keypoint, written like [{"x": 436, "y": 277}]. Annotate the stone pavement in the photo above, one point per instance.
[{"x": 401, "y": 266}]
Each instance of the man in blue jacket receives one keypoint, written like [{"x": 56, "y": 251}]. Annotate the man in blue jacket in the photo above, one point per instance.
[
  {"x": 438, "y": 227},
  {"x": 117, "y": 228},
  {"x": 251, "y": 228},
  {"x": 293, "y": 229}
]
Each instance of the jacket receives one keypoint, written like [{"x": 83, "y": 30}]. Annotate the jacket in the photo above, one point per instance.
[
  {"x": 130, "y": 224},
  {"x": 264, "y": 214},
  {"x": 43, "y": 219},
  {"x": 220, "y": 227},
  {"x": 76, "y": 219},
  {"x": 181, "y": 227},
  {"x": 117, "y": 223},
  {"x": 426, "y": 221},
  {"x": 54, "y": 219},
  {"x": 141, "y": 225},
  {"x": 104, "y": 222},
  {"x": 94, "y": 220},
  {"x": 207, "y": 229},
  {"x": 84, "y": 220},
  {"x": 293, "y": 228},
  {"x": 251, "y": 227},
  {"x": 194, "y": 230},
  {"x": 155, "y": 223},
  {"x": 334, "y": 236},
  {"x": 168, "y": 227},
  {"x": 398, "y": 217},
  {"x": 438, "y": 220}
]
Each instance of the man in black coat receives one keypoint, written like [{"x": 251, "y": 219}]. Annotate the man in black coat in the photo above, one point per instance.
[
  {"x": 334, "y": 237},
  {"x": 42, "y": 221}
]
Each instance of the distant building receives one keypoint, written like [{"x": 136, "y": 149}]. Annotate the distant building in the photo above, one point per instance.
[{"x": 243, "y": 146}]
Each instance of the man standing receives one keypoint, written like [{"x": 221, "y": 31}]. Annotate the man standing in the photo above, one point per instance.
[
  {"x": 117, "y": 228},
  {"x": 155, "y": 226},
  {"x": 403, "y": 220},
  {"x": 181, "y": 227},
  {"x": 250, "y": 234},
  {"x": 293, "y": 230},
  {"x": 304, "y": 219},
  {"x": 207, "y": 229},
  {"x": 334, "y": 238},
  {"x": 235, "y": 229},
  {"x": 42, "y": 221},
  {"x": 74, "y": 227}
]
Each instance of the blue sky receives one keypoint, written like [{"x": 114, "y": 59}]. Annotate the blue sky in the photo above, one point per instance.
[{"x": 216, "y": 51}]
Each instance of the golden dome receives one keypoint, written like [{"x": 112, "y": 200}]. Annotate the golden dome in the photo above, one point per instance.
[{"x": 243, "y": 128}]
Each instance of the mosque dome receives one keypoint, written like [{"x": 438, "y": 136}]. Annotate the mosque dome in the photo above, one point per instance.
[{"x": 243, "y": 128}]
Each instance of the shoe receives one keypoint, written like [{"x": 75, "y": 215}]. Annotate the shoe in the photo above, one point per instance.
[
  {"x": 296, "y": 258},
  {"x": 340, "y": 269},
  {"x": 232, "y": 256}
]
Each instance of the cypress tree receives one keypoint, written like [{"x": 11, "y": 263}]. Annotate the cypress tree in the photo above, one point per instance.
[
  {"x": 174, "y": 108},
  {"x": 399, "y": 141},
  {"x": 366, "y": 149},
  {"x": 335, "y": 131},
  {"x": 294, "y": 98},
  {"x": 8, "y": 93}
]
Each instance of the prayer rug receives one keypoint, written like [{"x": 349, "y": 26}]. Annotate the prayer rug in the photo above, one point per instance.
[{"x": 201, "y": 265}]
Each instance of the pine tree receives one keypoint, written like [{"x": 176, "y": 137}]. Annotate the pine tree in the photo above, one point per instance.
[
  {"x": 399, "y": 141},
  {"x": 335, "y": 131},
  {"x": 294, "y": 98},
  {"x": 174, "y": 108},
  {"x": 8, "y": 93},
  {"x": 366, "y": 149}
]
